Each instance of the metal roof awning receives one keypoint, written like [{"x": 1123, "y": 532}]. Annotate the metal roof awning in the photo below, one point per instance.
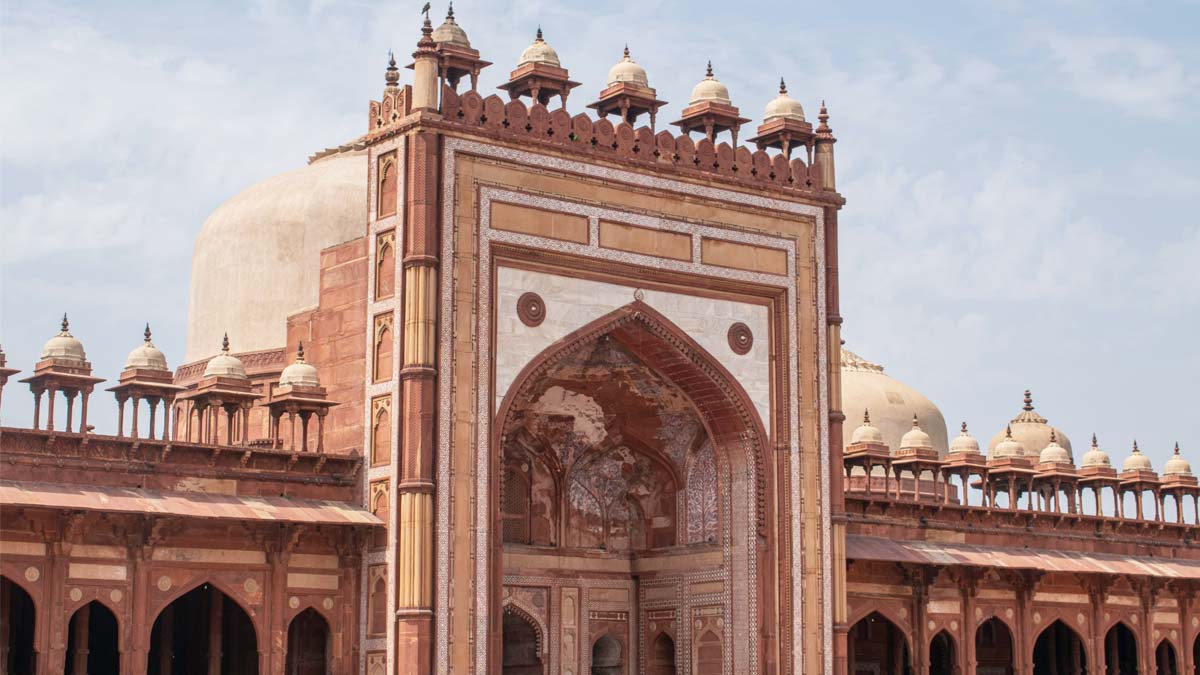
[
  {"x": 182, "y": 504},
  {"x": 863, "y": 547}
]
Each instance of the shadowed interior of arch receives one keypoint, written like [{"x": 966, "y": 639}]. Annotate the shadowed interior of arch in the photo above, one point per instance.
[
  {"x": 878, "y": 647},
  {"x": 199, "y": 627},
  {"x": 18, "y": 617}
]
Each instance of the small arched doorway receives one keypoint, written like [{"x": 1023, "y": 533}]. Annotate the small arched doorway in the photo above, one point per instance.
[
  {"x": 661, "y": 659},
  {"x": 1059, "y": 651},
  {"x": 92, "y": 645},
  {"x": 202, "y": 625},
  {"x": 308, "y": 644},
  {"x": 994, "y": 648},
  {"x": 17, "y": 617},
  {"x": 878, "y": 647},
  {"x": 941, "y": 655},
  {"x": 1165, "y": 662},
  {"x": 606, "y": 656},
  {"x": 521, "y": 652},
  {"x": 1121, "y": 651}
]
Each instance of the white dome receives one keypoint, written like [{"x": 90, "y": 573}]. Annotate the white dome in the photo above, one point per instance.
[
  {"x": 865, "y": 386},
  {"x": 147, "y": 356},
  {"x": 709, "y": 89},
  {"x": 1095, "y": 457},
  {"x": 964, "y": 443},
  {"x": 1031, "y": 430},
  {"x": 300, "y": 372},
  {"x": 257, "y": 258},
  {"x": 1054, "y": 453},
  {"x": 916, "y": 439},
  {"x": 627, "y": 70},
  {"x": 784, "y": 107},
  {"x": 1177, "y": 465},
  {"x": 1136, "y": 461},
  {"x": 451, "y": 32},
  {"x": 64, "y": 345},
  {"x": 539, "y": 52},
  {"x": 224, "y": 364},
  {"x": 1009, "y": 447},
  {"x": 866, "y": 433}
]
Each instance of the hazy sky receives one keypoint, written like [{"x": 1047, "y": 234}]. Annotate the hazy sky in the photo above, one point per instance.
[{"x": 1022, "y": 177}]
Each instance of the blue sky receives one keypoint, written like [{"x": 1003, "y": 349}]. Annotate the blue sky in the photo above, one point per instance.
[{"x": 1022, "y": 177}]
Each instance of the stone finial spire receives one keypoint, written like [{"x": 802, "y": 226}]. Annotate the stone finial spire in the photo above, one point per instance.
[
  {"x": 538, "y": 38},
  {"x": 1008, "y": 431},
  {"x": 392, "y": 76},
  {"x": 964, "y": 427},
  {"x": 866, "y": 416},
  {"x": 1094, "y": 443},
  {"x": 1176, "y": 448},
  {"x": 1028, "y": 401},
  {"x": 823, "y": 130},
  {"x": 708, "y": 72},
  {"x": 450, "y": 12},
  {"x": 66, "y": 325},
  {"x": 225, "y": 344},
  {"x": 146, "y": 333},
  {"x": 300, "y": 351},
  {"x": 1135, "y": 448},
  {"x": 916, "y": 424},
  {"x": 1053, "y": 436},
  {"x": 626, "y": 56},
  {"x": 782, "y": 87}
]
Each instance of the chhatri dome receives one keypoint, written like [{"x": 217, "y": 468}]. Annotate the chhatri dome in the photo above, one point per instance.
[
  {"x": 1031, "y": 430},
  {"x": 146, "y": 356},
  {"x": 64, "y": 346},
  {"x": 892, "y": 403},
  {"x": 1136, "y": 461},
  {"x": 1095, "y": 457},
  {"x": 539, "y": 52},
  {"x": 784, "y": 106},
  {"x": 866, "y": 432},
  {"x": 1177, "y": 465},
  {"x": 300, "y": 373},
  {"x": 1054, "y": 453},
  {"x": 964, "y": 443},
  {"x": 1008, "y": 447},
  {"x": 450, "y": 32},
  {"x": 257, "y": 258},
  {"x": 627, "y": 70},
  {"x": 916, "y": 438},
  {"x": 710, "y": 89},
  {"x": 225, "y": 364}
]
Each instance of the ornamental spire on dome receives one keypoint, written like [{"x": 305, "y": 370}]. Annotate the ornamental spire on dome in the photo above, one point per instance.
[
  {"x": 66, "y": 326},
  {"x": 1094, "y": 444},
  {"x": 964, "y": 428},
  {"x": 392, "y": 76},
  {"x": 1028, "y": 401},
  {"x": 146, "y": 334},
  {"x": 866, "y": 416},
  {"x": 300, "y": 351},
  {"x": 823, "y": 129},
  {"x": 782, "y": 87},
  {"x": 225, "y": 344}
]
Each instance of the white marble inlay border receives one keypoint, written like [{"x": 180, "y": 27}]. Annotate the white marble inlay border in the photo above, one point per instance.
[
  {"x": 372, "y": 389},
  {"x": 452, "y": 147}
]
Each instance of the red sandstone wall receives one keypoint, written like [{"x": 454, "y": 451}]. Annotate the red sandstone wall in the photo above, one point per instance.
[{"x": 334, "y": 336}]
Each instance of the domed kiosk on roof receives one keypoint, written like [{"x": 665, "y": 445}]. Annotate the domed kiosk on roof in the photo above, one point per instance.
[
  {"x": 300, "y": 372},
  {"x": 1136, "y": 461},
  {"x": 709, "y": 89},
  {"x": 257, "y": 257},
  {"x": 1177, "y": 465},
  {"x": 1031, "y": 431},
  {"x": 964, "y": 443},
  {"x": 539, "y": 52},
  {"x": 1095, "y": 457},
  {"x": 628, "y": 70},
  {"x": 64, "y": 346},
  {"x": 450, "y": 32},
  {"x": 784, "y": 106},
  {"x": 865, "y": 386},
  {"x": 147, "y": 356}
]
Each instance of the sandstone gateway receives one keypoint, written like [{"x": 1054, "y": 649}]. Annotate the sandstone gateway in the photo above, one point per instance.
[{"x": 498, "y": 388}]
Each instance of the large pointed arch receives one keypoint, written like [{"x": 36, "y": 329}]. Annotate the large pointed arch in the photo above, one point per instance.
[{"x": 723, "y": 409}]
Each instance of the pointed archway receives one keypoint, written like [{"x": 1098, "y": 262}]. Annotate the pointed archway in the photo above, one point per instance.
[
  {"x": 607, "y": 656},
  {"x": 1121, "y": 651},
  {"x": 92, "y": 641},
  {"x": 1059, "y": 651},
  {"x": 199, "y": 628},
  {"x": 942, "y": 655},
  {"x": 877, "y": 646},
  {"x": 18, "y": 617},
  {"x": 994, "y": 648},
  {"x": 661, "y": 659},
  {"x": 627, "y": 439},
  {"x": 1165, "y": 660},
  {"x": 308, "y": 644},
  {"x": 521, "y": 646}
]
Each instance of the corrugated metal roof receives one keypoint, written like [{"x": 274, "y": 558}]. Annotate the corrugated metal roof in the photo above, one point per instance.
[
  {"x": 183, "y": 504},
  {"x": 863, "y": 547}
]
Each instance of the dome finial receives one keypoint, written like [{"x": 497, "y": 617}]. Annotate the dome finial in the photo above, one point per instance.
[
  {"x": 147, "y": 333},
  {"x": 1176, "y": 448},
  {"x": 1053, "y": 437},
  {"x": 964, "y": 427},
  {"x": 1094, "y": 444},
  {"x": 916, "y": 424},
  {"x": 626, "y": 50},
  {"x": 708, "y": 71},
  {"x": 66, "y": 326},
  {"x": 539, "y": 34},
  {"x": 225, "y": 344},
  {"x": 823, "y": 128},
  {"x": 300, "y": 351},
  {"x": 450, "y": 11},
  {"x": 1008, "y": 431},
  {"x": 1135, "y": 447},
  {"x": 392, "y": 76},
  {"x": 866, "y": 416},
  {"x": 782, "y": 87},
  {"x": 1028, "y": 401}
]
